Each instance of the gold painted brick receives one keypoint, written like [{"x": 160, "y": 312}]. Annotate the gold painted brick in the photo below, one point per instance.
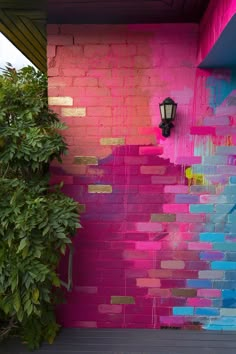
[
  {"x": 60, "y": 101},
  {"x": 86, "y": 160},
  {"x": 163, "y": 217},
  {"x": 122, "y": 300},
  {"x": 73, "y": 112},
  {"x": 99, "y": 188},
  {"x": 81, "y": 208},
  {"x": 112, "y": 141},
  {"x": 184, "y": 292}
]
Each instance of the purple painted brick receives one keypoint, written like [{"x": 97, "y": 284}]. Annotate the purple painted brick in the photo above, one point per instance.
[
  {"x": 211, "y": 256},
  {"x": 226, "y": 169},
  {"x": 215, "y": 160},
  {"x": 225, "y": 131},
  {"x": 204, "y": 169},
  {"x": 215, "y": 121},
  {"x": 186, "y": 199},
  {"x": 226, "y": 150}
]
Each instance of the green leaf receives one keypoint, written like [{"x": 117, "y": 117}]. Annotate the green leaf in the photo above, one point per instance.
[
  {"x": 22, "y": 245},
  {"x": 16, "y": 301},
  {"x": 35, "y": 296},
  {"x": 36, "y": 219},
  {"x": 56, "y": 281}
]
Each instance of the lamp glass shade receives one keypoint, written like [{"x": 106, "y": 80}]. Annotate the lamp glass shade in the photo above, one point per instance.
[
  {"x": 162, "y": 109},
  {"x": 168, "y": 109},
  {"x": 174, "y": 107}
]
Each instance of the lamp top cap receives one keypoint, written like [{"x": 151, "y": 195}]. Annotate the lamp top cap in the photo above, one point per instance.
[{"x": 169, "y": 100}]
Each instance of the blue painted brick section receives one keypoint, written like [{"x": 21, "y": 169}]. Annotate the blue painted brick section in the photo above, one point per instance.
[
  {"x": 230, "y": 198},
  {"x": 230, "y": 256},
  {"x": 211, "y": 256},
  {"x": 223, "y": 323},
  {"x": 230, "y": 274},
  {"x": 229, "y": 190},
  {"x": 209, "y": 227},
  {"x": 232, "y": 180},
  {"x": 224, "y": 208},
  {"x": 226, "y": 150},
  {"x": 203, "y": 189},
  {"x": 207, "y": 311},
  {"x": 228, "y": 303},
  {"x": 199, "y": 283},
  {"x": 215, "y": 160},
  {"x": 222, "y": 228},
  {"x": 217, "y": 303},
  {"x": 229, "y": 294},
  {"x": 224, "y": 246},
  {"x": 212, "y": 237},
  {"x": 224, "y": 284},
  {"x": 216, "y": 218},
  {"x": 223, "y": 265},
  {"x": 186, "y": 199},
  {"x": 201, "y": 208},
  {"x": 183, "y": 311},
  {"x": 204, "y": 169},
  {"x": 217, "y": 327},
  {"x": 232, "y": 218},
  {"x": 230, "y": 227}
]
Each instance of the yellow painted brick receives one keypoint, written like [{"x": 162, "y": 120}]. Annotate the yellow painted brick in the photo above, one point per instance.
[
  {"x": 122, "y": 300},
  {"x": 112, "y": 141},
  {"x": 163, "y": 217},
  {"x": 86, "y": 160},
  {"x": 73, "y": 112},
  {"x": 99, "y": 188},
  {"x": 60, "y": 101}
]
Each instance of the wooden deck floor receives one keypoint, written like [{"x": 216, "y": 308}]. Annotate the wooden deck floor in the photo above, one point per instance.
[{"x": 129, "y": 341}]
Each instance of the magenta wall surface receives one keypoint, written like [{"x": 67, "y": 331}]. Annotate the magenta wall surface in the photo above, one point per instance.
[{"x": 157, "y": 248}]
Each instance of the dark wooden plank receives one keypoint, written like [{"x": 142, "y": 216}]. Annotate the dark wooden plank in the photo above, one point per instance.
[
  {"x": 121, "y": 11},
  {"x": 25, "y": 37},
  {"x": 179, "y": 334},
  {"x": 128, "y": 341}
]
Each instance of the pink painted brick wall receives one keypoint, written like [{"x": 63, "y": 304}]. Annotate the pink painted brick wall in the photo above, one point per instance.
[
  {"x": 215, "y": 19},
  {"x": 150, "y": 238}
]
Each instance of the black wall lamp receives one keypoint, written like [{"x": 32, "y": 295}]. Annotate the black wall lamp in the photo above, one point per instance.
[{"x": 168, "y": 110}]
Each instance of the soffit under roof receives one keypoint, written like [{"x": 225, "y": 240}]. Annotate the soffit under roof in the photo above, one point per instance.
[{"x": 23, "y": 22}]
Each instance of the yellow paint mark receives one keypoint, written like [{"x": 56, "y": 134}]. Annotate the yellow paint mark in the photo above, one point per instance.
[
  {"x": 122, "y": 300},
  {"x": 163, "y": 217},
  {"x": 86, "y": 160},
  {"x": 112, "y": 141},
  {"x": 60, "y": 101},
  {"x": 99, "y": 188},
  {"x": 73, "y": 112},
  {"x": 194, "y": 178}
]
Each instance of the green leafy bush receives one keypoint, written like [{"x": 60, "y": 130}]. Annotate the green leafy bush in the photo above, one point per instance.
[{"x": 36, "y": 219}]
